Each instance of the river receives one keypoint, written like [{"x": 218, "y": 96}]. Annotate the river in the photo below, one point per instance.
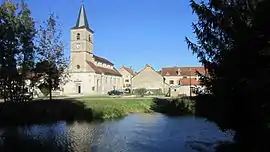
[{"x": 134, "y": 133}]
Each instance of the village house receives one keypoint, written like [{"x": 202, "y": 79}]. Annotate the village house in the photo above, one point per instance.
[
  {"x": 89, "y": 73},
  {"x": 182, "y": 80},
  {"x": 149, "y": 79},
  {"x": 127, "y": 74}
]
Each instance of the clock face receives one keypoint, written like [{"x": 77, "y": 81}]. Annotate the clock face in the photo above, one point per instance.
[{"x": 78, "y": 45}]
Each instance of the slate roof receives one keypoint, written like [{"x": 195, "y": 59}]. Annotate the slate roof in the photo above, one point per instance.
[{"x": 82, "y": 21}]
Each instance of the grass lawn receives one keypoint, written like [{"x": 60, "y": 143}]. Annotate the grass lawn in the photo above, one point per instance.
[
  {"x": 79, "y": 109},
  {"x": 116, "y": 107}
]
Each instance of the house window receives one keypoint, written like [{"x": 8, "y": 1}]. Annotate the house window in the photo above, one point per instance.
[
  {"x": 126, "y": 80},
  {"x": 171, "y": 82},
  {"x": 78, "y": 36},
  {"x": 93, "y": 88}
]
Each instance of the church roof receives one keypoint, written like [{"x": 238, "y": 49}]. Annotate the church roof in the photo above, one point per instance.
[
  {"x": 102, "y": 60},
  {"x": 106, "y": 71},
  {"x": 82, "y": 21}
]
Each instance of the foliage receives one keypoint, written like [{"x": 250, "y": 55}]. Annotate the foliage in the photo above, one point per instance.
[
  {"x": 52, "y": 63},
  {"x": 233, "y": 44},
  {"x": 173, "y": 106},
  {"x": 17, "y": 33},
  {"x": 140, "y": 91}
]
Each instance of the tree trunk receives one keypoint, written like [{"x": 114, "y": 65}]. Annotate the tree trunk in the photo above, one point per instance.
[{"x": 50, "y": 88}]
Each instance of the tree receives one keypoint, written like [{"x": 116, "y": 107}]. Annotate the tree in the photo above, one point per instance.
[
  {"x": 233, "y": 45},
  {"x": 17, "y": 49},
  {"x": 52, "y": 62}
]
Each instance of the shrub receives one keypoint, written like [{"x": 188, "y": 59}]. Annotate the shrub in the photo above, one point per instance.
[
  {"x": 176, "y": 106},
  {"x": 140, "y": 91}
]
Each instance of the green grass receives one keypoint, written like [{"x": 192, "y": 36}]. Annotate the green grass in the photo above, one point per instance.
[{"x": 116, "y": 107}]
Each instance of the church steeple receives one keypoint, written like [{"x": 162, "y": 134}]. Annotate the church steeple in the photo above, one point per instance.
[{"x": 82, "y": 21}]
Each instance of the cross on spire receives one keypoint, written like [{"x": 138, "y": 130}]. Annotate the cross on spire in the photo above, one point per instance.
[{"x": 82, "y": 1}]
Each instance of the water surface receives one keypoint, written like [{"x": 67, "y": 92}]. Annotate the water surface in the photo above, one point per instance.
[{"x": 134, "y": 133}]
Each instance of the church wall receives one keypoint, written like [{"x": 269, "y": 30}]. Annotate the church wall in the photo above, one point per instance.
[{"x": 84, "y": 80}]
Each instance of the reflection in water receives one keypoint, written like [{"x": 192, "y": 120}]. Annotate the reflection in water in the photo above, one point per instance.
[{"x": 134, "y": 133}]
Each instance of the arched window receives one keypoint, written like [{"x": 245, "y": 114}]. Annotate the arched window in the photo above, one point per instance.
[{"x": 78, "y": 36}]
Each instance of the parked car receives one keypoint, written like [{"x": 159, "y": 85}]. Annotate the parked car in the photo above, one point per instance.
[{"x": 115, "y": 92}]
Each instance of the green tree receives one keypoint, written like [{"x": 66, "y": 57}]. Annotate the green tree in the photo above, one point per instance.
[
  {"x": 52, "y": 62},
  {"x": 17, "y": 49},
  {"x": 233, "y": 44}
]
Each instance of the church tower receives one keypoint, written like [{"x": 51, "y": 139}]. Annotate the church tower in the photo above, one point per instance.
[{"x": 81, "y": 44}]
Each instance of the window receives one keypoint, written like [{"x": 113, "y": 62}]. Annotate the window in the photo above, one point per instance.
[
  {"x": 126, "y": 80},
  {"x": 93, "y": 88},
  {"x": 185, "y": 77},
  {"x": 89, "y": 37},
  {"x": 78, "y": 67},
  {"x": 78, "y": 36},
  {"x": 106, "y": 80},
  {"x": 171, "y": 82}
]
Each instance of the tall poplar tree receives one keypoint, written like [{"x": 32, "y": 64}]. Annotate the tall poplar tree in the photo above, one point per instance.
[{"x": 52, "y": 62}]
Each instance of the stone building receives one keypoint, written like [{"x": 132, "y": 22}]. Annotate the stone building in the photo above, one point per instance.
[
  {"x": 149, "y": 79},
  {"x": 182, "y": 80},
  {"x": 127, "y": 74},
  {"x": 88, "y": 73}
]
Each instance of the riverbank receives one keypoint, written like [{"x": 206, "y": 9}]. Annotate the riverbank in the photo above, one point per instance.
[
  {"x": 81, "y": 109},
  {"x": 88, "y": 109}
]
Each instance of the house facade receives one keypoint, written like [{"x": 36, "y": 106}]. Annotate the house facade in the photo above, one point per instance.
[
  {"x": 127, "y": 75},
  {"x": 182, "y": 80},
  {"x": 88, "y": 73},
  {"x": 149, "y": 79}
]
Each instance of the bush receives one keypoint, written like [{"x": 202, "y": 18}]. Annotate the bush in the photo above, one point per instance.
[
  {"x": 140, "y": 91},
  {"x": 177, "y": 106}
]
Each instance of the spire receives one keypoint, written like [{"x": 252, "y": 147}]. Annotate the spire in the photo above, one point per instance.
[{"x": 82, "y": 21}]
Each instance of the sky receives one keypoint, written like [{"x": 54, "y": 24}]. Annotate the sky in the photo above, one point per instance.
[{"x": 129, "y": 33}]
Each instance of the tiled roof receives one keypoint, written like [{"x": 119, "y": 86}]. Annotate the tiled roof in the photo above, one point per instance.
[
  {"x": 129, "y": 70},
  {"x": 102, "y": 60},
  {"x": 182, "y": 71},
  {"x": 188, "y": 81},
  {"x": 94, "y": 67},
  {"x": 106, "y": 71}
]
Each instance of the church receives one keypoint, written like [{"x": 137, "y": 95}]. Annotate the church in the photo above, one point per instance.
[{"x": 88, "y": 74}]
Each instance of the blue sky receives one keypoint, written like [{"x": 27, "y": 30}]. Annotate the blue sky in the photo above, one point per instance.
[{"x": 129, "y": 32}]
